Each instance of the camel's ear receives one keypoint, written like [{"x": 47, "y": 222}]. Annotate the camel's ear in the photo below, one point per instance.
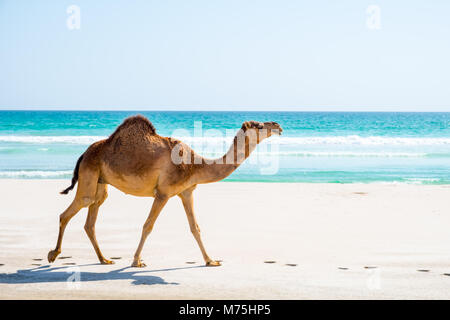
[
  {"x": 245, "y": 126},
  {"x": 252, "y": 124}
]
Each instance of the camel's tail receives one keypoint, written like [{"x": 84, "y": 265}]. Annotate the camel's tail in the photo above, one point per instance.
[{"x": 75, "y": 176}]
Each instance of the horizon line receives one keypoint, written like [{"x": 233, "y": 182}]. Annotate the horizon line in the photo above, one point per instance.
[{"x": 224, "y": 110}]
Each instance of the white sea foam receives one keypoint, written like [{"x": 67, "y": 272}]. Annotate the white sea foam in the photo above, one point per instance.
[
  {"x": 84, "y": 140},
  {"x": 345, "y": 154},
  {"x": 23, "y": 174},
  {"x": 337, "y": 154},
  {"x": 364, "y": 141},
  {"x": 331, "y": 140},
  {"x": 300, "y": 141},
  {"x": 34, "y": 174},
  {"x": 421, "y": 180}
]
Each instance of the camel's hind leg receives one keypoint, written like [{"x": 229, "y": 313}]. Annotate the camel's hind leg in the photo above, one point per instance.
[
  {"x": 87, "y": 187},
  {"x": 89, "y": 227}
]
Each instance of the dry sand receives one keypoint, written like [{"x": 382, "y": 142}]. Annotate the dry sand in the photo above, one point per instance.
[{"x": 325, "y": 241}]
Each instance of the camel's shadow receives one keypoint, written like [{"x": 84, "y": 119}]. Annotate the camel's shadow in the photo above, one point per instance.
[{"x": 46, "y": 274}]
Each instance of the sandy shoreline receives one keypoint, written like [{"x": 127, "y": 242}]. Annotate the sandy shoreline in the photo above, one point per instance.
[{"x": 331, "y": 232}]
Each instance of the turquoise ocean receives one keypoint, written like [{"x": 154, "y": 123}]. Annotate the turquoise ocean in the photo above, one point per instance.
[{"x": 333, "y": 147}]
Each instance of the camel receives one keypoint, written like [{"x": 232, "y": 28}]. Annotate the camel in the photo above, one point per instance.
[{"x": 138, "y": 161}]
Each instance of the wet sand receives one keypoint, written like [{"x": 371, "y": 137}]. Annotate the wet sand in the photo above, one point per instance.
[{"x": 277, "y": 241}]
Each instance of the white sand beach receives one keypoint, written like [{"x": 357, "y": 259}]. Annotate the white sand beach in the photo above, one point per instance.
[{"x": 354, "y": 241}]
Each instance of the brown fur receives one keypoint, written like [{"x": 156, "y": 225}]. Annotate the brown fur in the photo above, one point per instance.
[
  {"x": 137, "y": 161},
  {"x": 137, "y": 123}
]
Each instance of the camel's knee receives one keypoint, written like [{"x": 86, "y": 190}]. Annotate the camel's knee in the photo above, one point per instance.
[
  {"x": 63, "y": 219},
  {"x": 147, "y": 228},
  {"x": 89, "y": 229},
  {"x": 86, "y": 201},
  {"x": 194, "y": 229},
  {"x": 82, "y": 202}
]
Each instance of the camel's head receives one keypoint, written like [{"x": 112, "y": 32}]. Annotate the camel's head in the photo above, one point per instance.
[{"x": 264, "y": 129}]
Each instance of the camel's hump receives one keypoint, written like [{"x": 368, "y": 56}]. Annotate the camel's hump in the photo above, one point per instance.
[{"x": 137, "y": 123}]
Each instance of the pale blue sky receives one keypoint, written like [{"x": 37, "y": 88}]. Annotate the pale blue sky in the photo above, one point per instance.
[{"x": 228, "y": 54}]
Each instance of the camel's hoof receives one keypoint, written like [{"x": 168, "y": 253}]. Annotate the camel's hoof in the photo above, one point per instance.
[
  {"x": 213, "y": 263},
  {"x": 106, "y": 261},
  {"x": 52, "y": 255},
  {"x": 138, "y": 264}
]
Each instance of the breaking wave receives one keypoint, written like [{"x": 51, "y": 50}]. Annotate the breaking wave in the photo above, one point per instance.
[
  {"x": 35, "y": 174},
  {"x": 327, "y": 140}
]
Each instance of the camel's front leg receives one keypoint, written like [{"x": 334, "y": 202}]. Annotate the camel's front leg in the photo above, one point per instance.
[
  {"x": 188, "y": 203},
  {"x": 157, "y": 206}
]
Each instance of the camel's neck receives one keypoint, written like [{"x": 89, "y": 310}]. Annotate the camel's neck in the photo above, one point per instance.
[{"x": 212, "y": 170}]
